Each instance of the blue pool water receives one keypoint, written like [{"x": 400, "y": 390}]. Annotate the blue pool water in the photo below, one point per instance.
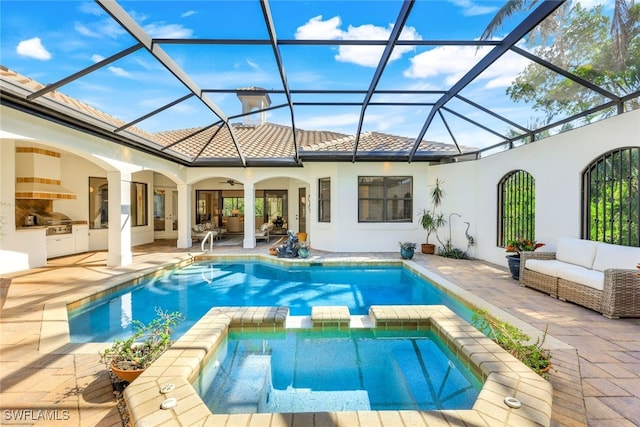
[
  {"x": 314, "y": 371},
  {"x": 194, "y": 289}
]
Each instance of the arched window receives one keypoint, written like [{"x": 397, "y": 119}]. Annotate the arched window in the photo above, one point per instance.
[
  {"x": 516, "y": 207},
  {"x": 611, "y": 198}
]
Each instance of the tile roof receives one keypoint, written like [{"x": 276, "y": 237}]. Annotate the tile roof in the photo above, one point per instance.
[{"x": 215, "y": 143}]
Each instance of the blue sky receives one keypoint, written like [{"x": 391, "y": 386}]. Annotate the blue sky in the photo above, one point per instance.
[{"x": 48, "y": 40}]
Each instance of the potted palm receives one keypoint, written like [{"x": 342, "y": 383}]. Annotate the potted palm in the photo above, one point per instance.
[
  {"x": 128, "y": 358},
  {"x": 430, "y": 219}
]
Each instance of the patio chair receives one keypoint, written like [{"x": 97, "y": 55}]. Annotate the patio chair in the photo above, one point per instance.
[
  {"x": 200, "y": 232},
  {"x": 263, "y": 232}
]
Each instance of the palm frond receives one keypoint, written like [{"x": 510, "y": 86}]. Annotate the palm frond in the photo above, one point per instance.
[{"x": 510, "y": 8}]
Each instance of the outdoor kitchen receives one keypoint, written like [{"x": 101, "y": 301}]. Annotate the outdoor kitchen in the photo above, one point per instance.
[{"x": 38, "y": 185}]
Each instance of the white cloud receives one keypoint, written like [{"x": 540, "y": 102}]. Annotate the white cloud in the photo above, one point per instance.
[
  {"x": 120, "y": 72},
  {"x": 253, "y": 65},
  {"x": 90, "y": 8},
  {"x": 33, "y": 48},
  {"x": 450, "y": 63},
  {"x": 316, "y": 28},
  {"x": 85, "y": 31},
  {"x": 472, "y": 9},
  {"x": 188, "y": 13},
  {"x": 367, "y": 56},
  {"x": 168, "y": 31},
  {"x": 105, "y": 27},
  {"x": 96, "y": 58}
]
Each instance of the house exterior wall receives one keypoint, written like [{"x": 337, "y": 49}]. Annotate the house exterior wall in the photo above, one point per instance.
[
  {"x": 556, "y": 164},
  {"x": 470, "y": 188}
]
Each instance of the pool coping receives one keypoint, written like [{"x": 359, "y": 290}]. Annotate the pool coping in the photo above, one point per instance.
[{"x": 503, "y": 375}]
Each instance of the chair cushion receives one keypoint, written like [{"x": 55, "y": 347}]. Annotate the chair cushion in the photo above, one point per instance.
[
  {"x": 265, "y": 227},
  {"x": 584, "y": 276},
  {"x": 615, "y": 256},
  {"x": 544, "y": 266},
  {"x": 576, "y": 251}
]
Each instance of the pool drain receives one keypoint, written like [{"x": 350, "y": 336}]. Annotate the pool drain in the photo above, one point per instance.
[{"x": 512, "y": 402}]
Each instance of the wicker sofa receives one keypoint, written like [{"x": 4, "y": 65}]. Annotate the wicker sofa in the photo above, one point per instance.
[{"x": 596, "y": 275}]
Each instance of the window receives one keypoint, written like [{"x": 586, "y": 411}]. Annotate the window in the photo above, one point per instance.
[
  {"x": 324, "y": 200},
  {"x": 611, "y": 198},
  {"x": 385, "y": 199},
  {"x": 517, "y": 207},
  {"x": 99, "y": 203},
  {"x": 139, "y": 215}
]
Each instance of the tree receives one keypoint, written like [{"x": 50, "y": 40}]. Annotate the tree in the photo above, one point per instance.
[{"x": 583, "y": 46}]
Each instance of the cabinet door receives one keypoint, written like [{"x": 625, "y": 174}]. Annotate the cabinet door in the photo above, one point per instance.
[
  {"x": 81, "y": 234},
  {"x": 53, "y": 248}
]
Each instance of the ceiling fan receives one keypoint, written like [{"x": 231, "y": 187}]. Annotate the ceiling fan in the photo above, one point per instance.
[{"x": 230, "y": 182}]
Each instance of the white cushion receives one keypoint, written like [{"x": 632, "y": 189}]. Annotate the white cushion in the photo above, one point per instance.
[
  {"x": 264, "y": 226},
  {"x": 584, "y": 276},
  {"x": 576, "y": 251},
  {"x": 544, "y": 266},
  {"x": 615, "y": 256}
]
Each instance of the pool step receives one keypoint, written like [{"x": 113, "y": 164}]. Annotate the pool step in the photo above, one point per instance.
[
  {"x": 331, "y": 316},
  {"x": 244, "y": 391},
  {"x": 430, "y": 378},
  {"x": 307, "y": 400}
]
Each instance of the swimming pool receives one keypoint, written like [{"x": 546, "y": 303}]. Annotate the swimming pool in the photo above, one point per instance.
[
  {"x": 194, "y": 289},
  {"x": 319, "y": 371}
]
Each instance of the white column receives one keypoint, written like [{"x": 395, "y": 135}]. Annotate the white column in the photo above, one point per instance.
[
  {"x": 249, "y": 216},
  {"x": 8, "y": 193},
  {"x": 184, "y": 216},
  {"x": 119, "y": 219}
]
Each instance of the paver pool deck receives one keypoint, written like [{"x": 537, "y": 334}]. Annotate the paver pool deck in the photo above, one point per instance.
[{"x": 596, "y": 376}]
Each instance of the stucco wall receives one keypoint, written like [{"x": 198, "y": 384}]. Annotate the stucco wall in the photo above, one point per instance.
[{"x": 556, "y": 163}]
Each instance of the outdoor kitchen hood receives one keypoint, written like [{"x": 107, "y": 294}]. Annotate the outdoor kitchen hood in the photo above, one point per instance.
[
  {"x": 39, "y": 174},
  {"x": 42, "y": 189}
]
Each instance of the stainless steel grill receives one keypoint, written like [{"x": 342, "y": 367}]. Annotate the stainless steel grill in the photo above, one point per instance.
[{"x": 56, "y": 222}]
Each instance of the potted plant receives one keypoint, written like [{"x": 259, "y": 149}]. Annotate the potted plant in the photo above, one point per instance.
[
  {"x": 407, "y": 249},
  {"x": 519, "y": 245},
  {"x": 515, "y": 342},
  {"x": 128, "y": 358},
  {"x": 303, "y": 248},
  {"x": 430, "y": 219}
]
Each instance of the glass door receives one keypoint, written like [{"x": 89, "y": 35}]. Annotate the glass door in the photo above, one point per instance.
[
  {"x": 302, "y": 210},
  {"x": 159, "y": 210},
  {"x": 165, "y": 213}
]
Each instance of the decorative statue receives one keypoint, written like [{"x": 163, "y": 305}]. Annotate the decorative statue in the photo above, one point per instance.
[{"x": 289, "y": 249}]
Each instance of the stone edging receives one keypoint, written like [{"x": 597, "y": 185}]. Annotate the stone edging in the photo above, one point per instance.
[{"x": 504, "y": 376}]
